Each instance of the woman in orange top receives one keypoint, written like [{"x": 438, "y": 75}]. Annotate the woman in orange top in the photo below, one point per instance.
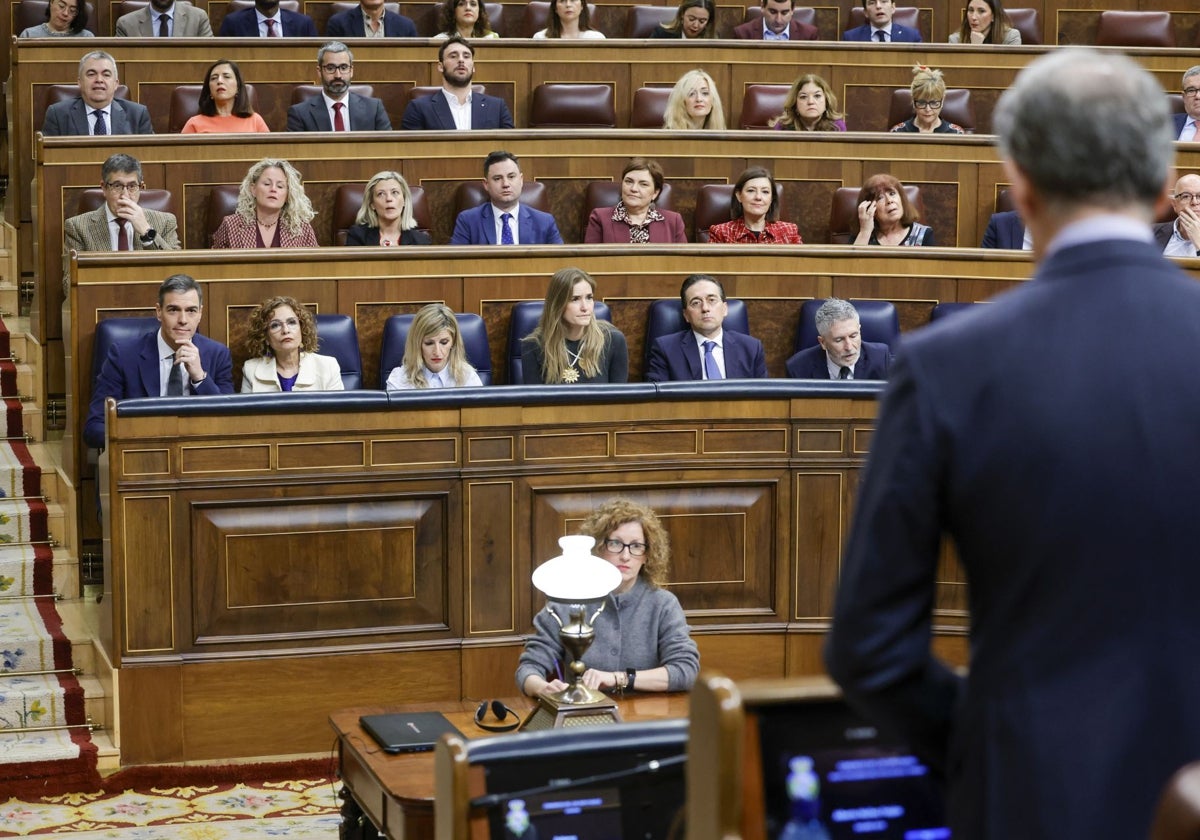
[{"x": 224, "y": 104}]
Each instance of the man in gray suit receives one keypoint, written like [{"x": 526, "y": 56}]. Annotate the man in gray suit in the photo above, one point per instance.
[
  {"x": 165, "y": 19},
  {"x": 121, "y": 224},
  {"x": 95, "y": 110},
  {"x": 336, "y": 108}
]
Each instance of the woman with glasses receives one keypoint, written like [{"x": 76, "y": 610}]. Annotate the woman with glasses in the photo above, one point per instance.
[
  {"x": 282, "y": 344},
  {"x": 225, "y": 104},
  {"x": 272, "y": 210},
  {"x": 642, "y": 638},
  {"x": 811, "y": 105},
  {"x": 928, "y": 94},
  {"x": 64, "y": 18}
]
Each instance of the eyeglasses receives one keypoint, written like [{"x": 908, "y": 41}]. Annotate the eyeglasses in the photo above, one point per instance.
[
  {"x": 1187, "y": 198},
  {"x": 60, "y": 6},
  {"x": 636, "y": 549},
  {"x": 132, "y": 189},
  {"x": 1191, "y": 91},
  {"x": 927, "y": 103},
  {"x": 277, "y": 326},
  {"x": 336, "y": 68}
]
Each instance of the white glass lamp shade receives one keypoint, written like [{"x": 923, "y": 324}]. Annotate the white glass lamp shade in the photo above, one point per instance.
[{"x": 576, "y": 576}]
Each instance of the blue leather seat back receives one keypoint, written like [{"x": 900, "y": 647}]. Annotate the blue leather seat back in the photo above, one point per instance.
[
  {"x": 471, "y": 330},
  {"x": 123, "y": 331},
  {"x": 525, "y": 315},
  {"x": 337, "y": 337},
  {"x": 666, "y": 317},
  {"x": 880, "y": 323}
]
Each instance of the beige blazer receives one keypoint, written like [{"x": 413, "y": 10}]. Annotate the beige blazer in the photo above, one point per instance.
[
  {"x": 89, "y": 232},
  {"x": 190, "y": 22},
  {"x": 317, "y": 373}
]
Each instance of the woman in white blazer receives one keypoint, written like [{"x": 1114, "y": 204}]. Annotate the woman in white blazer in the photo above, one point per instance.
[{"x": 281, "y": 341}]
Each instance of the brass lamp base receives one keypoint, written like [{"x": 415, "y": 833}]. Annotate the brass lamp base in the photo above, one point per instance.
[{"x": 557, "y": 710}]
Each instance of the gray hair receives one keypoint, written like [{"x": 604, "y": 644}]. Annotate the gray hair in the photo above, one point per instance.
[
  {"x": 1087, "y": 127},
  {"x": 121, "y": 163},
  {"x": 334, "y": 47},
  {"x": 833, "y": 311},
  {"x": 98, "y": 54},
  {"x": 1188, "y": 73}
]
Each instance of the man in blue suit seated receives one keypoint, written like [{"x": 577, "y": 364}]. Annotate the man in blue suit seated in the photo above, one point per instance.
[
  {"x": 335, "y": 108},
  {"x": 267, "y": 20},
  {"x": 456, "y": 105},
  {"x": 1006, "y": 230},
  {"x": 879, "y": 26},
  {"x": 706, "y": 351},
  {"x": 96, "y": 110},
  {"x": 370, "y": 15},
  {"x": 1187, "y": 124},
  {"x": 503, "y": 220},
  {"x": 171, "y": 361},
  {"x": 840, "y": 352}
]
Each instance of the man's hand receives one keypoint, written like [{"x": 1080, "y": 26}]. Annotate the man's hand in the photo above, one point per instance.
[
  {"x": 1189, "y": 223},
  {"x": 189, "y": 357},
  {"x": 129, "y": 209}
]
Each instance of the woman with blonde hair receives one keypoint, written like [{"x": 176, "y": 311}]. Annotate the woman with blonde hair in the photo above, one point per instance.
[
  {"x": 386, "y": 215},
  {"x": 466, "y": 18},
  {"x": 694, "y": 103},
  {"x": 282, "y": 346},
  {"x": 811, "y": 105},
  {"x": 569, "y": 344},
  {"x": 272, "y": 210},
  {"x": 570, "y": 19},
  {"x": 434, "y": 356},
  {"x": 928, "y": 93}
]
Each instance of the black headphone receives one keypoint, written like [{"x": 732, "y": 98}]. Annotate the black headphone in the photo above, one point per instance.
[{"x": 500, "y": 712}]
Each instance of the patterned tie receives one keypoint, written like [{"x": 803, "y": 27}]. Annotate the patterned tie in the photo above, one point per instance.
[
  {"x": 506, "y": 237},
  {"x": 271, "y": 33},
  {"x": 711, "y": 371},
  {"x": 338, "y": 123},
  {"x": 163, "y": 30},
  {"x": 101, "y": 127},
  {"x": 123, "y": 235},
  {"x": 880, "y": 35},
  {"x": 175, "y": 381},
  {"x": 844, "y": 373}
]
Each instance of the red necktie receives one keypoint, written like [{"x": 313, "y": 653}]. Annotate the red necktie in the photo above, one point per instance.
[
  {"x": 338, "y": 123},
  {"x": 123, "y": 235},
  {"x": 271, "y": 33}
]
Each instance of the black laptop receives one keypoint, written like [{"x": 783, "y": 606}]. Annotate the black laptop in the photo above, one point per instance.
[{"x": 405, "y": 733}]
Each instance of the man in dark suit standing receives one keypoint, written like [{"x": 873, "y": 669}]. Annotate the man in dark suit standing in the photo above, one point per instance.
[
  {"x": 1052, "y": 456},
  {"x": 840, "y": 352},
  {"x": 336, "y": 108},
  {"x": 1181, "y": 237},
  {"x": 707, "y": 350},
  {"x": 777, "y": 24},
  {"x": 96, "y": 111},
  {"x": 370, "y": 20},
  {"x": 1187, "y": 124},
  {"x": 456, "y": 105},
  {"x": 503, "y": 220},
  {"x": 1006, "y": 230},
  {"x": 879, "y": 27},
  {"x": 267, "y": 20},
  {"x": 171, "y": 361}
]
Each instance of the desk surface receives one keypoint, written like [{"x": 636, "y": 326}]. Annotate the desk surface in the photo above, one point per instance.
[{"x": 396, "y": 791}]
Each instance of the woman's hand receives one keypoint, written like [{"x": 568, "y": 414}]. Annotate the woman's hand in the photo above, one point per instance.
[
  {"x": 552, "y": 687},
  {"x": 977, "y": 37},
  {"x": 866, "y": 222},
  {"x": 599, "y": 680}
]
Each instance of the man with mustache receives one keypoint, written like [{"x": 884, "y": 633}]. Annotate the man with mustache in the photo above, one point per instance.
[{"x": 335, "y": 108}]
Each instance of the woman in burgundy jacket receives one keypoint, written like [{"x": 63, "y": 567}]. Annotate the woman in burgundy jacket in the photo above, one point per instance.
[{"x": 635, "y": 220}]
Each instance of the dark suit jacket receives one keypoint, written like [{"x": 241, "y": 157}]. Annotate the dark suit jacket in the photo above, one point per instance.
[
  {"x": 1162, "y": 234},
  {"x": 477, "y": 226},
  {"x": 1180, "y": 121},
  {"x": 132, "y": 371},
  {"x": 874, "y": 360},
  {"x": 1004, "y": 230},
  {"x": 363, "y": 235},
  {"x": 244, "y": 24},
  {"x": 752, "y": 30},
  {"x": 1061, "y": 481},
  {"x": 432, "y": 113},
  {"x": 69, "y": 119},
  {"x": 349, "y": 24},
  {"x": 900, "y": 34},
  {"x": 676, "y": 358},
  {"x": 366, "y": 114}
]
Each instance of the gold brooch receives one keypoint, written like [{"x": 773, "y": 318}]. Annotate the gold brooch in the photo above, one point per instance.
[{"x": 570, "y": 375}]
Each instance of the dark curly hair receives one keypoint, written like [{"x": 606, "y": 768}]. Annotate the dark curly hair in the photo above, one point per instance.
[
  {"x": 256, "y": 343},
  {"x": 616, "y": 512}
]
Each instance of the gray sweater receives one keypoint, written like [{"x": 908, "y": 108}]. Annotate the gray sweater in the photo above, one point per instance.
[{"x": 642, "y": 629}]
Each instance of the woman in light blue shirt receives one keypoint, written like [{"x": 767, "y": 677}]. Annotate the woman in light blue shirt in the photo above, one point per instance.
[{"x": 433, "y": 354}]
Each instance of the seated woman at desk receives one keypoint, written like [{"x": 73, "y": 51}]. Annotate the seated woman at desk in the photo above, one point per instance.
[
  {"x": 272, "y": 210},
  {"x": 694, "y": 104},
  {"x": 693, "y": 19},
  {"x": 434, "y": 356},
  {"x": 386, "y": 215},
  {"x": 811, "y": 105},
  {"x": 64, "y": 18},
  {"x": 887, "y": 217},
  {"x": 642, "y": 640},
  {"x": 569, "y": 19},
  {"x": 569, "y": 344},
  {"x": 282, "y": 345},
  {"x": 986, "y": 22},
  {"x": 468, "y": 18},
  {"x": 754, "y": 207},
  {"x": 928, "y": 93},
  {"x": 224, "y": 104},
  {"x": 636, "y": 220}
]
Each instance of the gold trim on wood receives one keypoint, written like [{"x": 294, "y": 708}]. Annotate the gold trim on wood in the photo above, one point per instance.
[
  {"x": 801, "y": 448},
  {"x": 498, "y": 441},
  {"x": 165, "y": 545},
  {"x": 263, "y": 449},
  {"x": 128, "y": 456},
  {"x": 468, "y": 559},
  {"x": 780, "y": 432}
]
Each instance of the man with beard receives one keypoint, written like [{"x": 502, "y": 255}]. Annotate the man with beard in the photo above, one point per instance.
[
  {"x": 370, "y": 20},
  {"x": 336, "y": 108},
  {"x": 165, "y": 19},
  {"x": 456, "y": 106},
  {"x": 840, "y": 352},
  {"x": 267, "y": 20}
]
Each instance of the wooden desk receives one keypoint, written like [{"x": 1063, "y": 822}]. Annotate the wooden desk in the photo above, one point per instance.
[{"x": 396, "y": 791}]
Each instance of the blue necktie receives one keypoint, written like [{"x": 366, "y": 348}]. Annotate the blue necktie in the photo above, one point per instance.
[
  {"x": 711, "y": 371},
  {"x": 506, "y": 237},
  {"x": 101, "y": 128},
  {"x": 880, "y": 35}
]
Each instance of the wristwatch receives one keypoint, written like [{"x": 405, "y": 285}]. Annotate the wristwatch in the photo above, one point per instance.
[
  {"x": 148, "y": 236},
  {"x": 631, "y": 674}
]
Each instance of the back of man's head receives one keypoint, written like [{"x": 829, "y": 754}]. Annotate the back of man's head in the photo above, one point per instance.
[{"x": 1087, "y": 128}]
